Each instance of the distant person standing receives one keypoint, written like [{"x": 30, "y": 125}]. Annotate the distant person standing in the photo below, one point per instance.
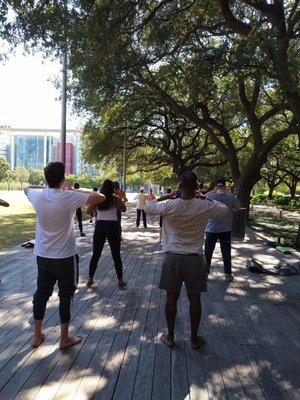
[
  {"x": 120, "y": 193},
  {"x": 95, "y": 189},
  {"x": 220, "y": 228},
  {"x": 55, "y": 249},
  {"x": 76, "y": 186},
  {"x": 141, "y": 199},
  {"x": 184, "y": 222},
  {"x": 151, "y": 196}
]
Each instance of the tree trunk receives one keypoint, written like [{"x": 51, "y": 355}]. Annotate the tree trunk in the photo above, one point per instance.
[
  {"x": 271, "y": 190},
  {"x": 293, "y": 188},
  {"x": 244, "y": 192},
  {"x": 245, "y": 185}
]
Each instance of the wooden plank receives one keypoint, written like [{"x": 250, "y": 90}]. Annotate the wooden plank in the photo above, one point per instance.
[
  {"x": 280, "y": 371},
  {"x": 90, "y": 384},
  {"x": 144, "y": 372},
  {"x": 212, "y": 373},
  {"x": 116, "y": 355},
  {"x": 232, "y": 384},
  {"x": 126, "y": 379},
  {"x": 249, "y": 383},
  {"x": 272, "y": 390},
  {"x": 195, "y": 358},
  {"x": 82, "y": 312},
  {"x": 179, "y": 374},
  {"x": 58, "y": 362}
]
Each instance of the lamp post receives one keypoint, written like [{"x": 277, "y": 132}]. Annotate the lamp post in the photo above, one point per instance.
[
  {"x": 124, "y": 163},
  {"x": 63, "y": 110}
]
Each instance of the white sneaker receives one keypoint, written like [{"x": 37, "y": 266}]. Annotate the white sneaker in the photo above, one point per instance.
[{"x": 228, "y": 278}]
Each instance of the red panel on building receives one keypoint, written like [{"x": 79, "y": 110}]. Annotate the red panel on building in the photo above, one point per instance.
[{"x": 69, "y": 156}]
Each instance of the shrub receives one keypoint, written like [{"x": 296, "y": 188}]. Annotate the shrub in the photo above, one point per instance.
[{"x": 259, "y": 199}]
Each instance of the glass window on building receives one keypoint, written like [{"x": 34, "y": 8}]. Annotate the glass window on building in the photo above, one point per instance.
[
  {"x": 51, "y": 146},
  {"x": 29, "y": 151}
]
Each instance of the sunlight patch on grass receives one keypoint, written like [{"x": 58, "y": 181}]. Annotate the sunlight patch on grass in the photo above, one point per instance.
[
  {"x": 17, "y": 222},
  {"x": 272, "y": 227}
]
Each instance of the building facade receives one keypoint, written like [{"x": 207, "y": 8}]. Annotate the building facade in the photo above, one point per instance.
[{"x": 34, "y": 148}]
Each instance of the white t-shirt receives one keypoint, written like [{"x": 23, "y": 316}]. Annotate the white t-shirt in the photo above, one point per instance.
[
  {"x": 55, "y": 210},
  {"x": 107, "y": 215},
  {"x": 141, "y": 199},
  {"x": 184, "y": 222}
]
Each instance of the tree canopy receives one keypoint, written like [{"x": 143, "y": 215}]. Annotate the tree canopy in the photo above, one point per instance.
[{"x": 194, "y": 82}]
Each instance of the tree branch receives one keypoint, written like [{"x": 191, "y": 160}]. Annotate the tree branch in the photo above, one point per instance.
[{"x": 232, "y": 22}]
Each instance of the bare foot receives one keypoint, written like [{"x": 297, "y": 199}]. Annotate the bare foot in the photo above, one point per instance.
[
  {"x": 196, "y": 343},
  {"x": 90, "y": 282},
  {"x": 122, "y": 283},
  {"x": 167, "y": 340},
  {"x": 37, "y": 340},
  {"x": 69, "y": 342}
]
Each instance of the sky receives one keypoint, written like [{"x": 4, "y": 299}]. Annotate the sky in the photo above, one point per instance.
[{"x": 28, "y": 97}]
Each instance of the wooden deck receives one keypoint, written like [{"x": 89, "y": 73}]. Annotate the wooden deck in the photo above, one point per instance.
[{"x": 252, "y": 329}]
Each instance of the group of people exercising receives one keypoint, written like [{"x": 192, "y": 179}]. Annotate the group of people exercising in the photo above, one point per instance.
[{"x": 186, "y": 216}]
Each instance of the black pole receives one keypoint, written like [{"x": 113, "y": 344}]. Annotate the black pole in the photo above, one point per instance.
[
  {"x": 63, "y": 110},
  {"x": 124, "y": 163}
]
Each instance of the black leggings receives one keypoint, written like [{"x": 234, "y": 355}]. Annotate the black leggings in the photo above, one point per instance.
[
  {"x": 109, "y": 230},
  {"x": 79, "y": 219},
  {"x": 138, "y": 217},
  {"x": 119, "y": 215},
  {"x": 50, "y": 270},
  {"x": 225, "y": 244}
]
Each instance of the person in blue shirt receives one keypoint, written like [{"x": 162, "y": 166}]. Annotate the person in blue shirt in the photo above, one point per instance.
[{"x": 220, "y": 228}]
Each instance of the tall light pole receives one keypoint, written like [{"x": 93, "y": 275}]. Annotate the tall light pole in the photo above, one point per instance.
[
  {"x": 63, "y": 110},
  {"x": 124, "y": 163}
]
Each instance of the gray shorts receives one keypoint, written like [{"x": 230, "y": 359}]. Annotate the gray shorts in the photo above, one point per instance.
[{"x": 179, "y": 268}]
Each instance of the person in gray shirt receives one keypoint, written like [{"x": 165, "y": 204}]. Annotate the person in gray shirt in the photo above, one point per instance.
[{"x": 220, "y": 228}]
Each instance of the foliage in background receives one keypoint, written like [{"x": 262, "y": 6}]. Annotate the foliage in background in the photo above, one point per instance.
[
  {"x": 4, "y": 168},
  {"x": 283, "y": 166},
  {"x": 281, "y": 201},
  {"x": 270, "y": 225}
]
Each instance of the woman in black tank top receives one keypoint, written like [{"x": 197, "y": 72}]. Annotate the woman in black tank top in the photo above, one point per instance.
[{"x": 107, "y": 227}]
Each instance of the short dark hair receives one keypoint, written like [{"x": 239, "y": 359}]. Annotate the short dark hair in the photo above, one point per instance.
[
  {"x": 76, "y": 185},
  {"x": 116, "y": 185},
  {"x": 189, "y": 181},
  {"x": 220, "y": 182},
  {"x": 54, "y": 173}
]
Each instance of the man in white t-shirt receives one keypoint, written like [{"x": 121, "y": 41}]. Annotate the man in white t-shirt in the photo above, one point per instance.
[
  {"x": 141, "y": 199},
  {"x": 54, "y": 247},
  {"x": 183, "y": 227}
]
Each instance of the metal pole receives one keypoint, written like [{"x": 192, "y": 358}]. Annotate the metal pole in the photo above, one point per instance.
[
  {"x": 63, "y": 110},
  {"x": 297, "y": 243},
  {"x": 124, "y": 163}
]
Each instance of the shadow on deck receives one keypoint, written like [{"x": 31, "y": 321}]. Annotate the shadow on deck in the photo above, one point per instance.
[{"x": 251, "y": 327}]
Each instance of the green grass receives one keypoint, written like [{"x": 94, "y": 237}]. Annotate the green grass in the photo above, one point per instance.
[
  {"x": 17, "y": 225},
  {"x": 271, "y": 226}
]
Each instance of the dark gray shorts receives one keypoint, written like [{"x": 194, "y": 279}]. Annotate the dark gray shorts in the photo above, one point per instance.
[{"x": 179, "y": 268}]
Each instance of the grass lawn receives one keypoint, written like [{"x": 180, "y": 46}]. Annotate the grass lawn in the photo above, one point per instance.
[
  {"x": 267, "y": 222},
  {"x": 17, "y": 222}
]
